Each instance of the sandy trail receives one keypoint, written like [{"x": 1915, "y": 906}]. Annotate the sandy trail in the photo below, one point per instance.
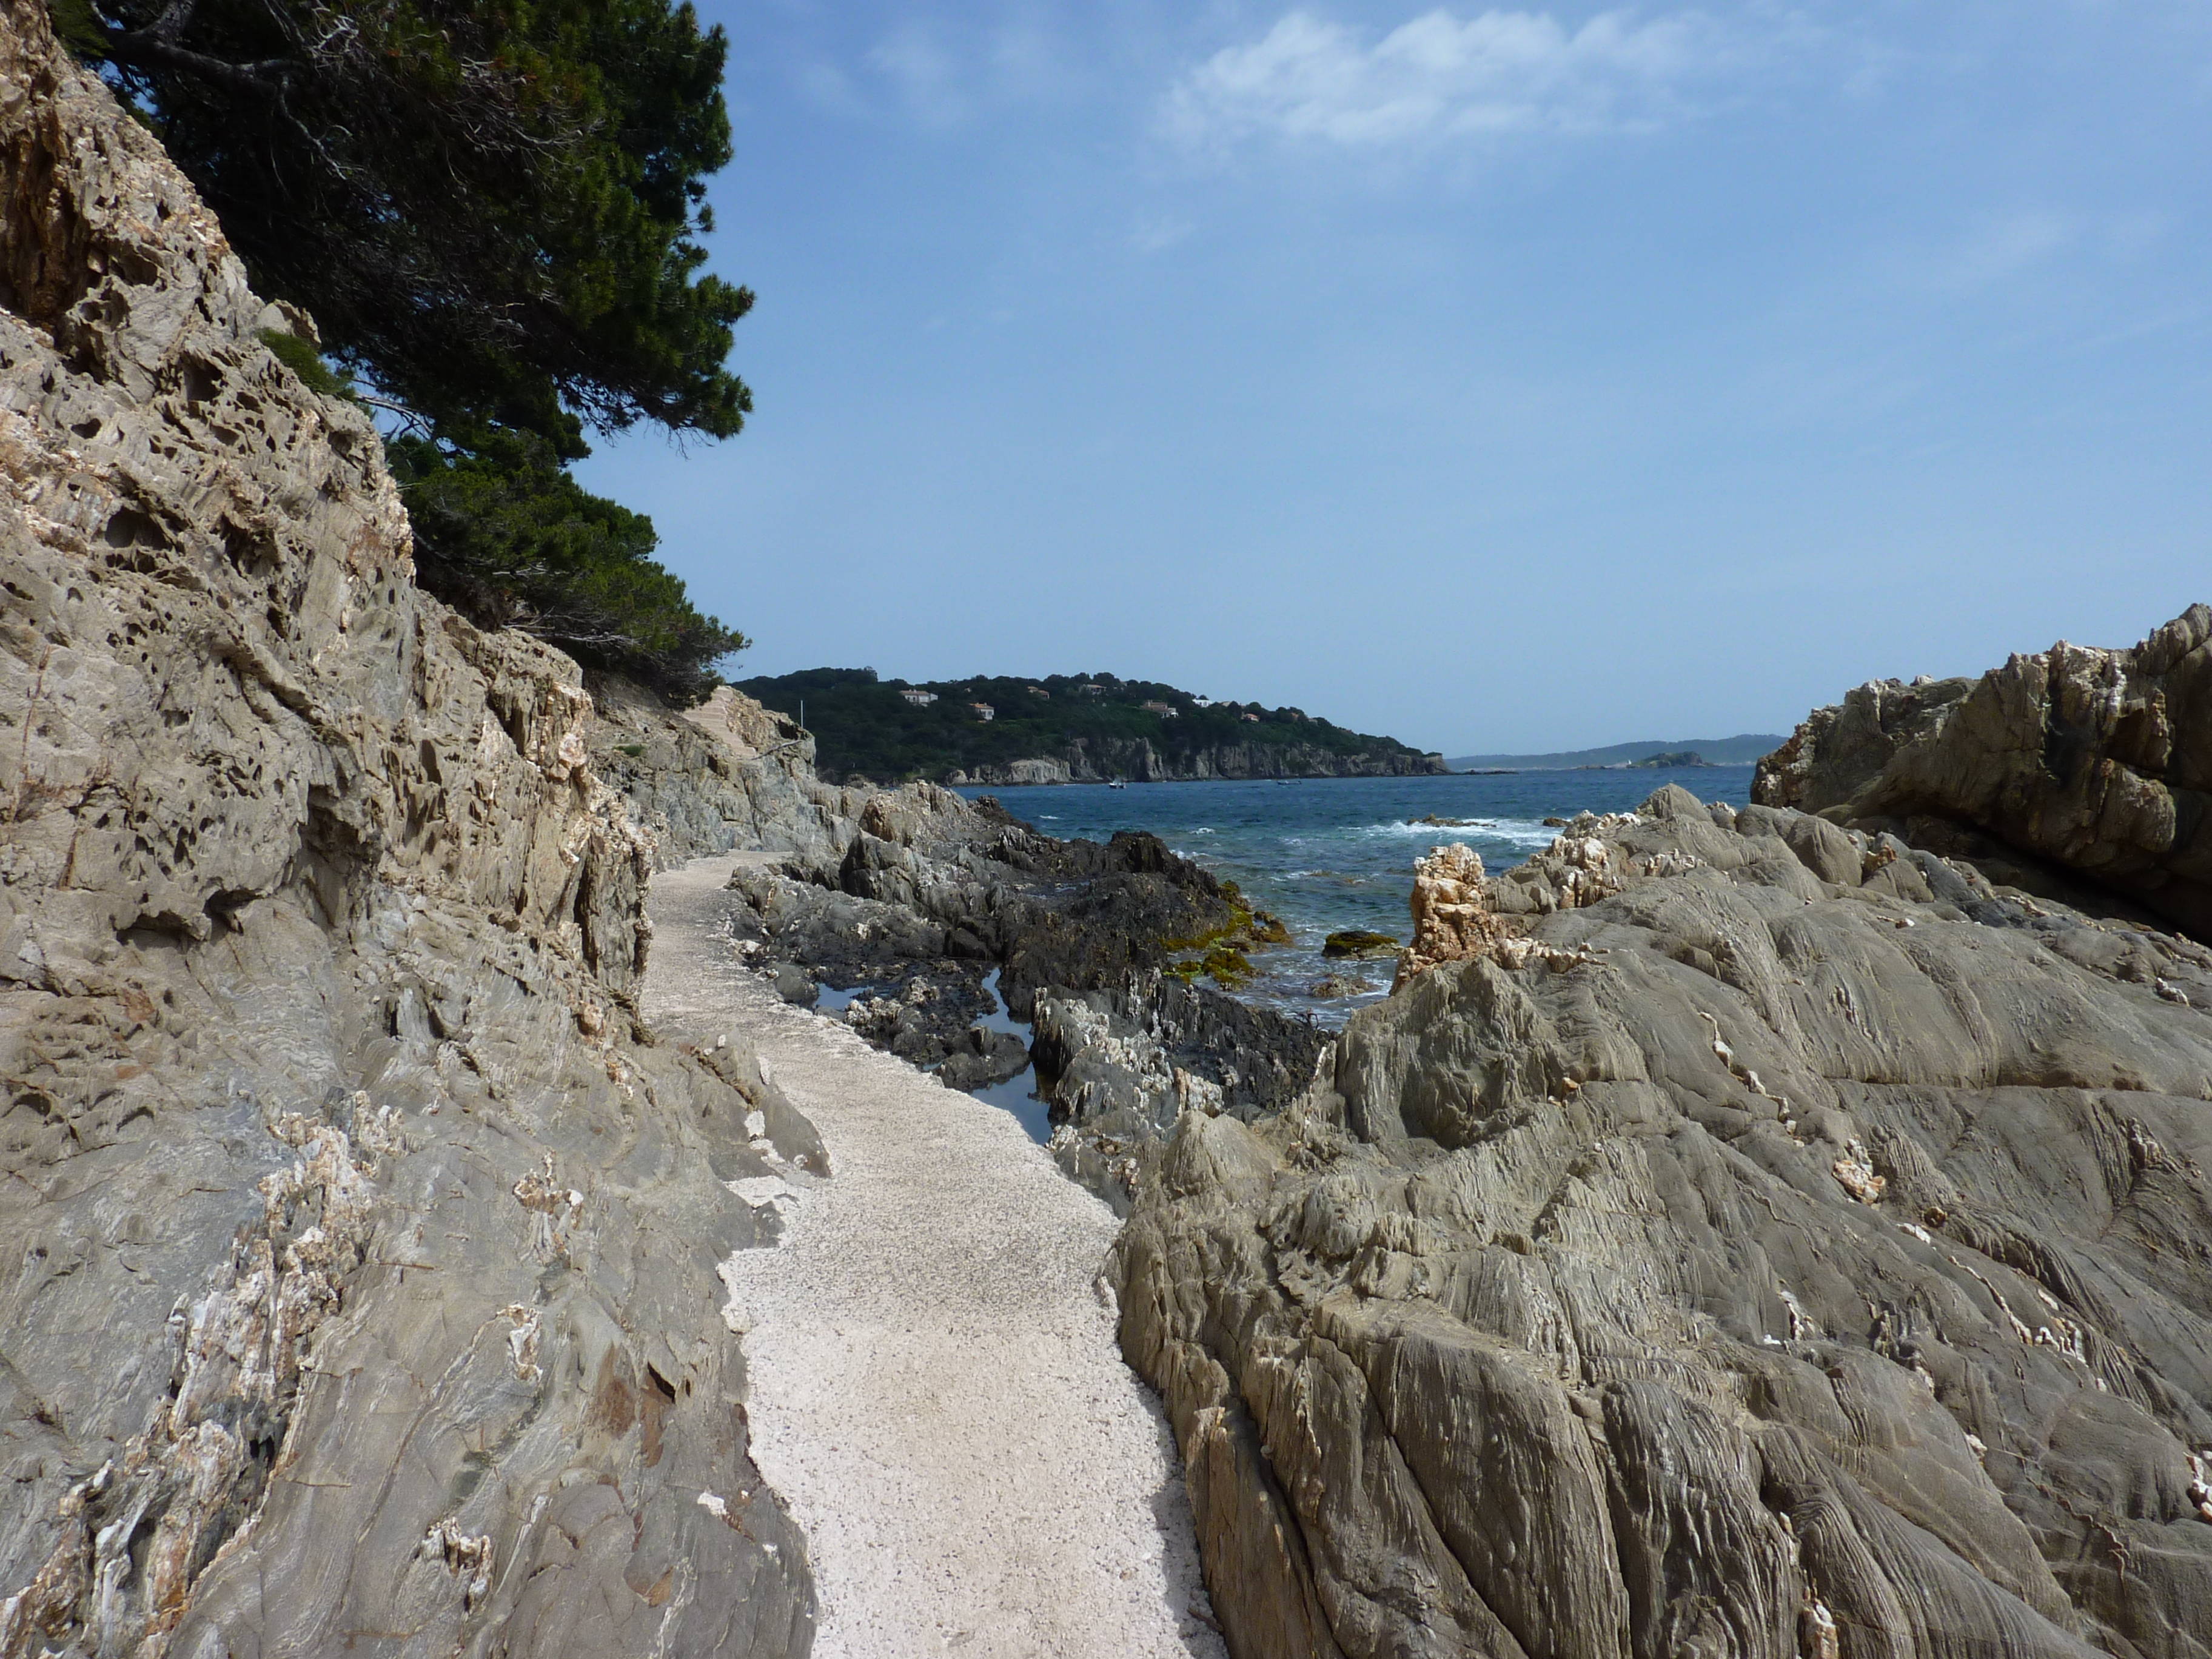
[{"x": 935, "y": 1388}]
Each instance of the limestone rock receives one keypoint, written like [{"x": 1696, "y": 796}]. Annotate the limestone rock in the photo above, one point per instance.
[
  {"x": 702, "y": 780},
  {"x": 365, "y": 1245},
  {"x": 1040, "y": 769},
  {"x": 2095, "y": 762},
  {"x": 1799, "y": 1248}
]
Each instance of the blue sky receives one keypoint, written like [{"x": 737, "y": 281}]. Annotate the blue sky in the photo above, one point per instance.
[{"x": 1499, "y": 379}]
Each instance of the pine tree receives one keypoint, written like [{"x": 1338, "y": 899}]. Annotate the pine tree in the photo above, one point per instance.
[{"x": 491, "y": 209}]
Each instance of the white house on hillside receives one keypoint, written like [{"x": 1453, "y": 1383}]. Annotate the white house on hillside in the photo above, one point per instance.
[
  {"x": 984, "y": 711},
  {"x": 917, "y": 696}
]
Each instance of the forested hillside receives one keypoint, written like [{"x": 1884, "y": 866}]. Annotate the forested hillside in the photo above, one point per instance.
[{"x": 1099, "y": 726}]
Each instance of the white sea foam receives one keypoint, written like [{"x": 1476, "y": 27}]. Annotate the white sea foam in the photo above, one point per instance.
[{"x": 1517, "y": 832}]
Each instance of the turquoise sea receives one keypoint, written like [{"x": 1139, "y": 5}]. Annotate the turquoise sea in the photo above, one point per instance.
[{"x": 1328, "y": 854}]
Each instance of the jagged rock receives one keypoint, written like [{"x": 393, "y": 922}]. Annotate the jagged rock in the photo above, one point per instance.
[
  {"x": 2098, "y": 762},
  {"x": 921, "y": 881},
  {"x": 1124, "y": 1063},
  {"x": 364, "y": 1295},
  {"x": 1801, "y": 1249},
  {"x": 795, "y": 985}
]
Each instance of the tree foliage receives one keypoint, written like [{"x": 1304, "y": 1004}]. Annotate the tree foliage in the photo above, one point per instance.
[
  {"x": 867, "y": 726},
  {"x": 491, "y": 209},
  {"x": 521, "y": 544}
]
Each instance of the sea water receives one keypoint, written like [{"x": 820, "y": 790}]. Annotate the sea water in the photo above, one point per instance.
[{"x": 1327, "y": 854}]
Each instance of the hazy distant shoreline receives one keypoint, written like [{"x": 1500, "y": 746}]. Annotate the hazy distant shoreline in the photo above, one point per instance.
[{"x": 1744, "y": 750}]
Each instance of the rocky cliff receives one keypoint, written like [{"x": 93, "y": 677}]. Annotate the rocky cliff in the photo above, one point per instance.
[
  {"x": 2081, "y": 773},
  {"x": 363, "y": 1292},
  {"x": 1739, "y": 1235},
  {"x": 726, "y": 774},
  {"x": 1098, "y": 759}
]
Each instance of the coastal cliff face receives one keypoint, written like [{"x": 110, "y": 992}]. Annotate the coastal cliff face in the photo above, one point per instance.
[
  {"x": 363, "y": 1292},
  {"x": 2074, "y": 768},
  {"x": 1096, "y": 761},
  {"x": 1738, "y": 1236}
]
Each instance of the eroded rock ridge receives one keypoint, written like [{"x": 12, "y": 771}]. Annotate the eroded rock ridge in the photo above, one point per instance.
[{"x": 1739, "y": 1235}]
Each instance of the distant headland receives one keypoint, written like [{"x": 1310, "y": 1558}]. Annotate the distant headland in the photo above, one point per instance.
[
  {"x": 1066, "y": 728},
  {"x": 1743, "y": 750}
]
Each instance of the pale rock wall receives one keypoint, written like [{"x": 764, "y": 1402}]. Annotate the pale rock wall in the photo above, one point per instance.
[
  {"x": 726, "y": 774},
  {"x": 361, "y": 1293}
]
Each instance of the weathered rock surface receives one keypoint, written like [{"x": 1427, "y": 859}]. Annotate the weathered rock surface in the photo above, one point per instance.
[
  {"x": 1123, "y": 1064},
  {"x": 726, "y": 774},
  {"x": 363, "y": 1245},
  {"x": 1740, "y": 1236},
  {"x": 2093, "y": 766}
]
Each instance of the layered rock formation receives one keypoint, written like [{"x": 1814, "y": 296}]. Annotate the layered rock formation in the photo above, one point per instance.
[
  {"x": 363, "y": 1292},
  {"x": 1739, "y": 1235},
  {"x": 2072, "y": 769}
]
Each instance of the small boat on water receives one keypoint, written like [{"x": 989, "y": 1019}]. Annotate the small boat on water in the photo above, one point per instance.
[{"x": 1117, "y": 783}]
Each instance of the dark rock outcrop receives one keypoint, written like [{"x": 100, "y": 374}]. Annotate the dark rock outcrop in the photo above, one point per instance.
[
  {"x": 1124, "y": 1063},
  {"x": 1739, "y": 1235},
  {"x": 926, "y": 892},
  {"x": 1357, "y": 945},
  {"x": 2072, "y": 772},
  {"x": 920, "y": 882},
  {"x": 362, "y": 1294}
]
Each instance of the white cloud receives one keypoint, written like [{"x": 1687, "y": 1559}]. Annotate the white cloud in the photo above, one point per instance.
[
  {"x": 1438, "y": 78},
  {"x": 1158, "y": 234},
  {"x": 927, "y": 76},
  {"x": 2001, "y": 249}
]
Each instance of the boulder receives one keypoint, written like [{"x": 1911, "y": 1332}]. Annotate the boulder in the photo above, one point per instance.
[
  {"x": 988, "y": 1057},
  {"x": 1330, "y": 986}
]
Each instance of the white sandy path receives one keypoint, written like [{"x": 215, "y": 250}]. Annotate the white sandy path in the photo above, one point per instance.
[{"x": 935, "y": 1389}]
